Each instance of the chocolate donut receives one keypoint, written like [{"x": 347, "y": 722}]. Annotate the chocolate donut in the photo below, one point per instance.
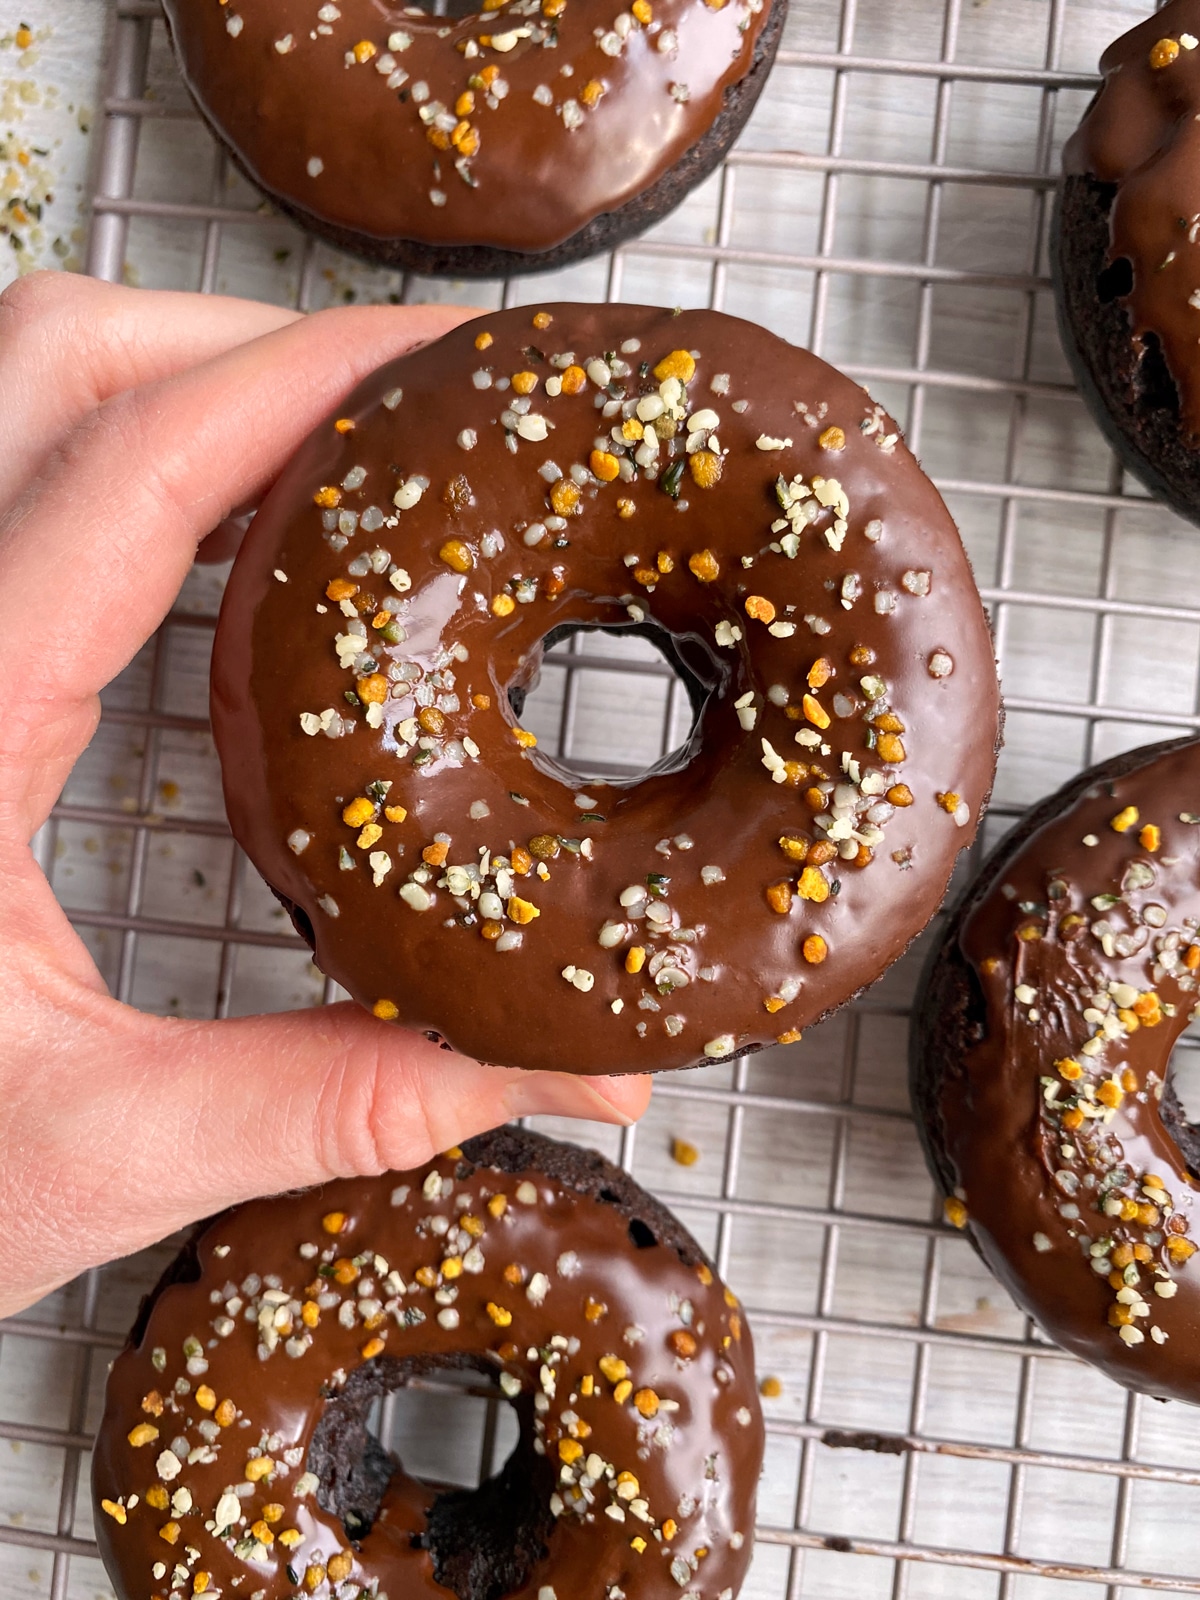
[
  {"x": 235, "y": 1458},
  {"x": 689, "y": 476},
  {"x": 1126, "y": 253},
  {"x": 1040, "y": 1060},
  {"x": 517, "y": 139}
]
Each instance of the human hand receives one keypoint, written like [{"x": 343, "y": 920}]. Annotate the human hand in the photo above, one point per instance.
[{"x": 131, "y": 424}]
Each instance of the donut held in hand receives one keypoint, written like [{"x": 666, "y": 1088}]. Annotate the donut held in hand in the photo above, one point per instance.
[
  {"x": 235, "y": 1458},
  {"x": 690, "y": 477}
]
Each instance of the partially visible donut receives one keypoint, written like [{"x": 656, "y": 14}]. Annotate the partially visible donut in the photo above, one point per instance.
[
  {"x": 1126, "y": 252},
  {"x": 522, "y": 138},
  {"x": 689, "y": 475},
  {"x": 234, "y": 1457},
  {"x": 1040, "y": 1057}
]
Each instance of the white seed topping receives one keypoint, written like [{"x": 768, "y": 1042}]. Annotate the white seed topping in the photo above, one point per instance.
[{"x": 722, "y": 1045}]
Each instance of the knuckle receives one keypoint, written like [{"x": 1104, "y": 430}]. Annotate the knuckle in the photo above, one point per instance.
[
  {"x": 343, "y": 1120},
  {"x": 373, "y": 1114},
  {"x": 122, "y": 414},
  {"x": 38, "y": 297},
  {"x": 113, "y": 441}
]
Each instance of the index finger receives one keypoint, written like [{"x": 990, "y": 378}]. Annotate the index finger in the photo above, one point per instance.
[
  {"x": 122, "y": 503},
  {"x": 69, "y": 343}
]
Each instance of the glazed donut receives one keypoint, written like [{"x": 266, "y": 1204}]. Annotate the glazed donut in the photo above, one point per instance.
[
  {"x": 518, "y": 139},
  {"x": 688, "y": 475},
  {"x": 234, "y": 1457},
  {"x": 1040, "y": 1066},
  {"x": 1126, "y": 253}
]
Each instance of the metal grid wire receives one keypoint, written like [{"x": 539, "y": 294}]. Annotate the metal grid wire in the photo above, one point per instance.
[{"x": 927, "y": 1442}]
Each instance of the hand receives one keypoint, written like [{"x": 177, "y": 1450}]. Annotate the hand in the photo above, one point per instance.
[{"x": 131, "y": 424}]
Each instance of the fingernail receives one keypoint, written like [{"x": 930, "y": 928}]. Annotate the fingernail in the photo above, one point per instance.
[{"x": 558, "y": 1094}]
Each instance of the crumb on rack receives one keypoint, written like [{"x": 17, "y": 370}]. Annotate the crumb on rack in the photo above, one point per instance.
[{"x": 684, "y": 1152}]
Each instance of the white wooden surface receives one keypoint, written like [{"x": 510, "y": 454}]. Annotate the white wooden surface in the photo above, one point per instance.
[{"x": 810, "y": 1185}]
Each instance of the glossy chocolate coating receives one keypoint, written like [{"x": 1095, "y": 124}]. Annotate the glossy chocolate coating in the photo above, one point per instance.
[
  {"x": 688, "y": 1427},
  {"x": 329, "y": 109},
  {"x": 1141, "y": 135},
  {"x": 1040, "y": 942},
  {"x": 700, "y": 843}
]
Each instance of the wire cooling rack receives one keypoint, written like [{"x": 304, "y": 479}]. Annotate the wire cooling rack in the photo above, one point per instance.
[{"x": 887, "y": 205}]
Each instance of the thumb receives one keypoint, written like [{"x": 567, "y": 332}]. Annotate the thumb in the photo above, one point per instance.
[
  {"x": 332, "y": 1092},
  {"x": 156, "y": 1122}
]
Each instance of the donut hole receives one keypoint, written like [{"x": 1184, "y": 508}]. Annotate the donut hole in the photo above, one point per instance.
[
  {"x": 401, "y": 1451},
  {"x": 452, "y": 1428},
  {"x": 616, "y": 702}
]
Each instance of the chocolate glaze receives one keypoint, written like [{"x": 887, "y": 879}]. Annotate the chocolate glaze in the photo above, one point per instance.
[
  {"x": 1054, "y": 913},
  {"x": 324, "y": 113},
  {"x": 1140, "y": 134},
  {"x": 897, "y": 586},
  {"x": 622, "y": 1278}
]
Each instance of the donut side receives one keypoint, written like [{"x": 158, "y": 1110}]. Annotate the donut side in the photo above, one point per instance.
[
  {"x": 1123, "y": 252},
  {"x": 320, "y": 1507},
  {"x": 978, "y": 1070},
  {"x": 602, "y": 233},
  {"x": 1124, "y": 380},
  {"x": 509, "y": 1149},
  {"x": 589, "y": 1174},
  {"x": 488, "y": 144},
  {"x": 949, "y": 1013},
  {"x": 493, "y": 1551},
  {"x": 487, "y": 1544}
]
